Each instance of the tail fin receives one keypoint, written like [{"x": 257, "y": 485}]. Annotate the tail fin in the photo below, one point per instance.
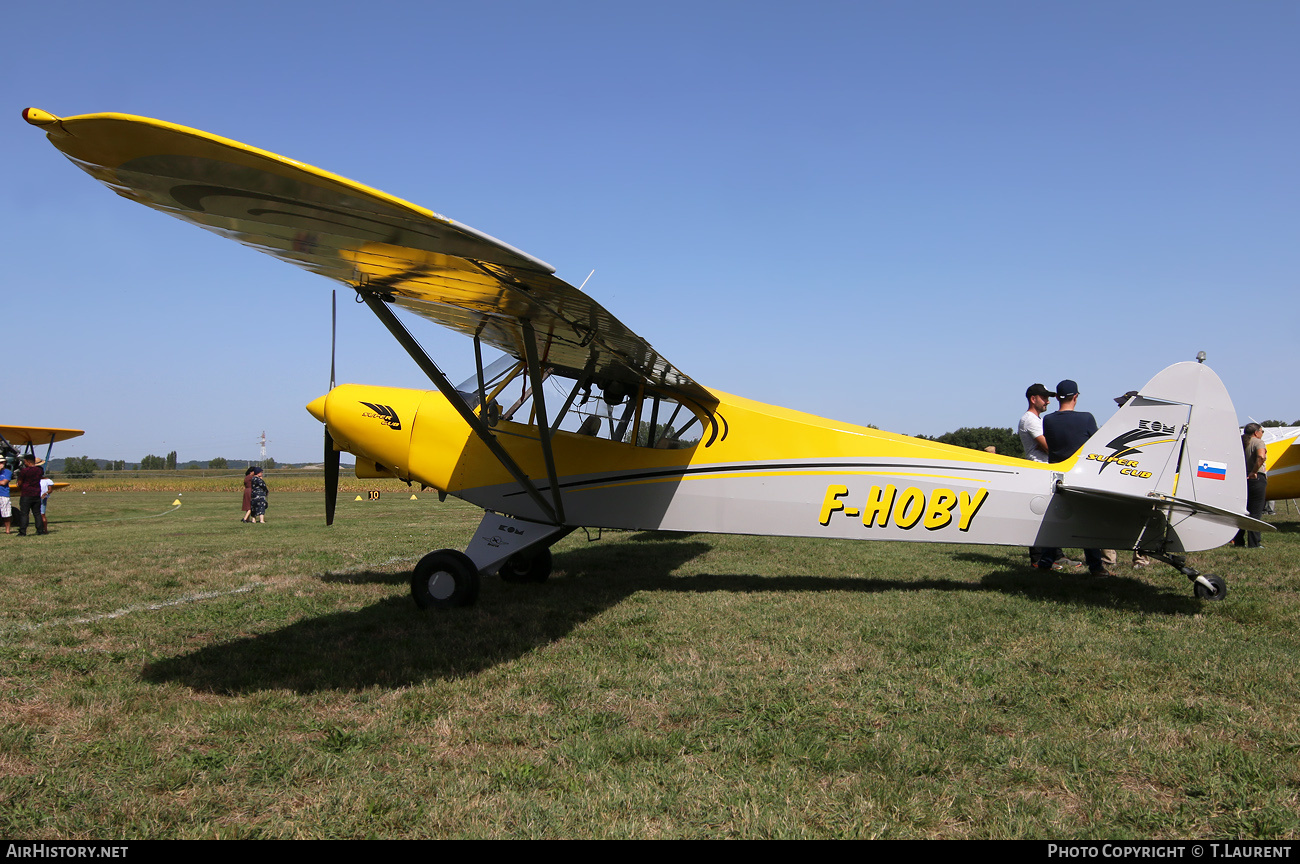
[{"x": 1177, "y": 445}]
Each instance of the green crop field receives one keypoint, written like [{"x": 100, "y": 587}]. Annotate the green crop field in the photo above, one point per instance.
[{"x": 170, "y": 672}]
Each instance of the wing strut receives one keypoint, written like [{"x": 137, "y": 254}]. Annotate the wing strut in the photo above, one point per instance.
[
  {"x": 445, "y": 387},
  {"x": 577, "y": 386},
  {"x": 478, "y": 366},
  {"x": 543, "y": 424}
]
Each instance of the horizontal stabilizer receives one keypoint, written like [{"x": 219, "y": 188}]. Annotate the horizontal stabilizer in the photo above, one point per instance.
[{"x": 1180, "y": 505}]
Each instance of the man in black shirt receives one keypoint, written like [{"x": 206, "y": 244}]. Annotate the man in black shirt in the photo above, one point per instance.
[
  {"x": 29, "y": 478},
  {"x": 1066, "y": 431}
]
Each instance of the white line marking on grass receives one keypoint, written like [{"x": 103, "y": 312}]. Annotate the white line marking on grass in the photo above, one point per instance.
[
  {"x": 181, "y": 601},
  {"x": 124, "y": 518},
  {"x": 149, "y": 607}
]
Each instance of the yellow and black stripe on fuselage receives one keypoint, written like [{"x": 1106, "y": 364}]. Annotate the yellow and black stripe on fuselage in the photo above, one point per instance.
[{"x": 758, "y": 469}]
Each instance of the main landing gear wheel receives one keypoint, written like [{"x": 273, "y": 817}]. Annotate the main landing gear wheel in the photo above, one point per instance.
[
  {"x": 530, "y": 566},
  {"x": 1217, "y": 591},
  {"x": 444, "y": 580}
]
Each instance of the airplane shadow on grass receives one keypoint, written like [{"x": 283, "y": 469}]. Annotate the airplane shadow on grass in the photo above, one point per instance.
[{"x": 393, "y": 644}]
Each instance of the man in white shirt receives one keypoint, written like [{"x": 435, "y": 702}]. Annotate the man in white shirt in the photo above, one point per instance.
[
  {"x": 1035, "y": 444},
  {"x": 47, "y": 486},
  {"x": 1031, "y": 423}
]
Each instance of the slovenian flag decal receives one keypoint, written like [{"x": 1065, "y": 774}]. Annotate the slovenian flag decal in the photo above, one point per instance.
[{"x": 1211, "y": 470}]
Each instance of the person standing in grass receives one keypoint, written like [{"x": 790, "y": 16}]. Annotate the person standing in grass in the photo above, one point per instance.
[
  {"x": 29, "y": 480},
  {"x": 1031, "y": 438},
  {"x": 1256, "y": 452},
  {"x": 247, "y": 506},
  {"x": 258, "y": 497},
  {"x": 47, "y": 486},
  {"x": 6, "y": 508},
  {"x": 1066, "y": 431}
]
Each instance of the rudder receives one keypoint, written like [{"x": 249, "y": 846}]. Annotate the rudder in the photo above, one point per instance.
[{"x": 1177, "y": 439}]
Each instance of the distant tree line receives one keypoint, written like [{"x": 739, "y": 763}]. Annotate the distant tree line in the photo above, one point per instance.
[
  {"x": 159, "y": 463},
  {"x": 79, "y": 466},
  {"x": 169, "y": 463},
  {"x": 84, "y": 466},
  {"x": 1005, "y": 440}
]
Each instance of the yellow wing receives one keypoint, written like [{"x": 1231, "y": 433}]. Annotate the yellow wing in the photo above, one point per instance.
[
  {"x": 37, "y": 435},
  {"x": 1283, "y": 468},
  {"x": 417, "y": 259}
]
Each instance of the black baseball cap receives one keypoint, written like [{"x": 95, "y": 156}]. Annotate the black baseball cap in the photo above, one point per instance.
[
  {"x": 1038, "y": 390},
  {"x": 1066, "y": 389}
]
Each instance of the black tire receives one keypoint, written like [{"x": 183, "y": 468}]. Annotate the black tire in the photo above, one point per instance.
[
  {"x": 444, "y": 580},
  {"x": 1220, "y": 588},
  {"x": 530, "y": 566}
]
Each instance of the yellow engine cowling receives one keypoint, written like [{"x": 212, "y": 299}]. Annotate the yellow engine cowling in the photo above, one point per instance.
[{"x": 379, "y": 425}]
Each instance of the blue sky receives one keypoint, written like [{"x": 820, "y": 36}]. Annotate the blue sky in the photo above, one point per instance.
[{"x": 882, "y": 212}]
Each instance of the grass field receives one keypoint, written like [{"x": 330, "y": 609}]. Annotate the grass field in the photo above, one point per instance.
[{"x": 169, "y": 672}]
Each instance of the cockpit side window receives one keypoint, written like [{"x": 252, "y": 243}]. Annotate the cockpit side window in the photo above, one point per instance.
[{"x": 612, "y": 410}]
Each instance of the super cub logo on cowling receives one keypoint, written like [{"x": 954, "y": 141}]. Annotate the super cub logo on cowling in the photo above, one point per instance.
[{"x": 383, "y": 413}]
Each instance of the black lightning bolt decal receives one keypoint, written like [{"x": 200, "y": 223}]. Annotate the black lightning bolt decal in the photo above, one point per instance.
[
  {"x": 386, "y": 414},
  {"x": 1123, "y": 445}
]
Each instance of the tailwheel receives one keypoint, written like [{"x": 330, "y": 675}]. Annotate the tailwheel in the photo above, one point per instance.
[
  {"x": 529, "y": 566},
  {"x": 445, "y": 579},
  {"x": 1207, "y": 586}
]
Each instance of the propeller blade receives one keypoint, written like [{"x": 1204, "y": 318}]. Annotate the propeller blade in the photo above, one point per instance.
[
  {"x": 331, "y": 455},
  {"x": 331, "y": 477}
]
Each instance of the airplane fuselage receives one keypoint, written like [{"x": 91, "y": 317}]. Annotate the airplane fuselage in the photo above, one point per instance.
[{"x": 759, "y": 469}]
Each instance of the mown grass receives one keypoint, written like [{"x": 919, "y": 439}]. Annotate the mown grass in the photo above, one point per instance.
[{"x": 174, "y": 673}]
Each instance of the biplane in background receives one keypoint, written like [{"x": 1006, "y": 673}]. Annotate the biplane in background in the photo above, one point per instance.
[
  {"x": 19, "y": 441},
  {"x": 624, "y": 439}
]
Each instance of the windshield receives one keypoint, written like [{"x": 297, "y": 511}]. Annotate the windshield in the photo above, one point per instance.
[{"x": 612, "y": 411}]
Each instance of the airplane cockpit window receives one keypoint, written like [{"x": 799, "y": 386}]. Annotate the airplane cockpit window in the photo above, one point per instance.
[
  {"x": 612, "y": 410},
  {"x": 619, "y": 412},
  {"x": 497, "y": 375}
]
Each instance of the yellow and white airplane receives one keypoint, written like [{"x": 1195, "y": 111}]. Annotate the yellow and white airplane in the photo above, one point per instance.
[
  {"x": 635, "y": 443},
  {"x": 1283, "y": 464},
  {"x": 28, "y": 438}
]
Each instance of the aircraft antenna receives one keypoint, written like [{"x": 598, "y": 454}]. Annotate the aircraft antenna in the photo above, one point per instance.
[{"x": 584, "y": 281}]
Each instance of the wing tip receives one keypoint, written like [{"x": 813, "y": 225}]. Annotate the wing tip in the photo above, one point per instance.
[
  {"x": 39, "y": 118},
  {"x": 50, "y": 124}
]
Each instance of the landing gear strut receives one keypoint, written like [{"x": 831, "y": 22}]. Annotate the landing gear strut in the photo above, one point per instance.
[
  {"x": 519, "y": 551},
  {"x": 1206, "y": 586}
]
